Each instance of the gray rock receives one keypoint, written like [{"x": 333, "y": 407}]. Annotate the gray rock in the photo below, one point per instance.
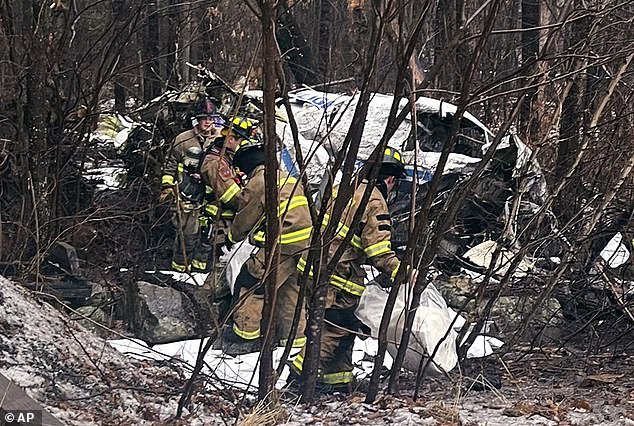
[
  {"x": 65, "y": 257},
  {"x": 509, "y": 312},
  {"x": 162, "y": 314},
  {"x": 99, "y": 295},
  {"x": 456, "y": 290},
  {"x": 95, "y": 315}
]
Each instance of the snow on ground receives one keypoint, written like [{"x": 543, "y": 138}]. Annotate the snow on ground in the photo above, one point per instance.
[
  {"x": 240, "y": 371},
  {"x": 77, "y": 376}
]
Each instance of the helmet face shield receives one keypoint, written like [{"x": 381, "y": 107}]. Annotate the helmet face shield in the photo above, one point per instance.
[{"x": 217, "y": 120}]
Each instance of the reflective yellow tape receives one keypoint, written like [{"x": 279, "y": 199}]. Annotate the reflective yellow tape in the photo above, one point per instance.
[
  {"x": 290, "y": 180},
  {"x": 181, "y": 167},
  {"x": 340, "y": 378},
  {"x": 247, "y": 335},
  {"x": 296, "y": 236},
  {"x": 378, "y": 249},
  {"x": 230, "y": 236},
  {"x": 199, "y": 264},
  {"x": 346, "y": 285},
  {"x": 288, "y": 205},
  {"x": 336, "y": 281},
  {"x": 298, "y": 363},
  {"x": 178, "y": 267},
  {"x": 297, "y": 343},
  {"x": 211, "y": 209},
  {"x": 288, "y": 238},
  {"x": 167, "y": 180},
  {"x": 395, "y": 271},
  {"x": 229, "y": 193},
  {"x": 301, "y": 266},
  {"x": 342, "y": 231}
]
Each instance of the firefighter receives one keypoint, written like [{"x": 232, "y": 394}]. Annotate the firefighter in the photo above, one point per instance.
[
  {"x": 218, "y": 173},
  {"x": 223, "y": 192},
  {"x": 294, "y": 239},
  {"x": 369, "y": 245},
  {"x": 182, "y": 182}
]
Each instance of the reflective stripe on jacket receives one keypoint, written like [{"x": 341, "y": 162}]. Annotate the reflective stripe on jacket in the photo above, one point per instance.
[
  {"x": 172, "y": 171},
  {"x": 222, "y": 180},
  {"x": 295, "y": 222},
  {"x": 370, "y": 245}
]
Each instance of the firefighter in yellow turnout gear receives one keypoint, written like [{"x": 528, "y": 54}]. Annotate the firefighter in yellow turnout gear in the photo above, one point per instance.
[
  {"x": 224, "y": 184},
  {"x": 181, "y": 181},
  {"x": 294, "y": 239},
  {"x": 371, "y": 244},
  {"x": 221, "y": 203}
]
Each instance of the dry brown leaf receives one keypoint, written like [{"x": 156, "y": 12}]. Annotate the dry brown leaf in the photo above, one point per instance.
[
  {"x": 552, "y": 410},
  {"x": 356, "y": 399},
  {"x": 519, "y": 409}
]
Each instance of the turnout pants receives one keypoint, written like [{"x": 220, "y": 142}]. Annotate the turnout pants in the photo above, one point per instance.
[
  {"x": 337, "y": 340},
  {"x": 189, "y": 253},
  {"x": 248, "y": 314}
]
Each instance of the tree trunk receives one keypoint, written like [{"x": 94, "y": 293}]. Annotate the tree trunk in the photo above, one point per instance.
[
  {"x": 171, "y": 43},
  {"x": 269, "y": 60},
  {"x": 297, "y": 53},
  {"x": 36, "y": 118},
  {"x": 529, "y": 121},
  {"x": 571, "y": 123},
  {"x": 185, "y": 32},
  {"x": 118, "y": 10},
  {"x": 151, "y": 74},
  {"x": 326, "y": 16},
  {"x": 448, "y": 22}
]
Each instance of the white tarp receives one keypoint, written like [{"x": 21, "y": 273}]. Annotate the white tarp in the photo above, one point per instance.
[{"x": 431, "y": 324}]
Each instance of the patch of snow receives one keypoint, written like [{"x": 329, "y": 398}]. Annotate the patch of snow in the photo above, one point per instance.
[
  {"x": 615, "y": 253},
  {"x": 193, "y": 278},
  {"x": 240, "y": 371}
]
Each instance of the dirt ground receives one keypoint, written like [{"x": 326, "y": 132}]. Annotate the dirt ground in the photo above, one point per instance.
[
  {"x": 537, "y": 388},
  {"x": 564, "y": 387}
]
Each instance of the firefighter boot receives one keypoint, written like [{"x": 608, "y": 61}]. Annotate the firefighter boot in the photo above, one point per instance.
[{"x": 233, "y": 345}]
